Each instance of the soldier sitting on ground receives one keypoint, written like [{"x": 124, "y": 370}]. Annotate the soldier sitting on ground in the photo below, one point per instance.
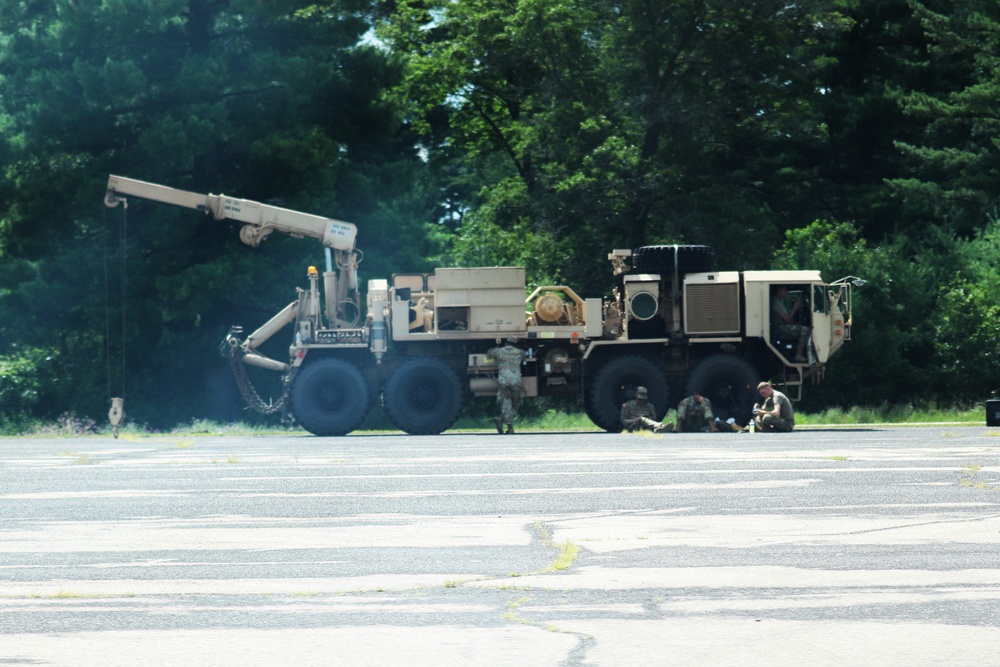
[
  {"x": 776, "y": 414},
  {"x": 694, "y": 415},
  {"x": 637, "y": 414}
]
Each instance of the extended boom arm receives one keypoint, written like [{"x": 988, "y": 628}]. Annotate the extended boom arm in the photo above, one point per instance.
[{"x": 258, "y": 219}]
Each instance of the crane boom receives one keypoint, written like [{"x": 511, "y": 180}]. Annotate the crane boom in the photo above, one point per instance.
[{"x": 258, "y": 219}]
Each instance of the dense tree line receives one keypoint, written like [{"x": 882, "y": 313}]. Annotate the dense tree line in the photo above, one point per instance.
[{"x": 853, "y": 137}]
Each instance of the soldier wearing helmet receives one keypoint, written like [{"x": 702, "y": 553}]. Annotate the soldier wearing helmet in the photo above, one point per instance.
[{"x": 638, "y": 414}]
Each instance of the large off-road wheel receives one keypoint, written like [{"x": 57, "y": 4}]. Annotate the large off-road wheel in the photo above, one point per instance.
[
  {"x": 611, "y": 384},
  {"x": 661, "y": 259},
  {"x": 330, "y": 397},
  {"x": 423, "y": 396},
  {"x": 729, "y": 382}
]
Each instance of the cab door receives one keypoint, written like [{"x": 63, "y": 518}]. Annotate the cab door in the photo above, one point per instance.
[{"x": 822, "y": 323}]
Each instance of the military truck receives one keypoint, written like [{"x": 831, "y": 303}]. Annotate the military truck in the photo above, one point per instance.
[{"x": 672, "y": 324}]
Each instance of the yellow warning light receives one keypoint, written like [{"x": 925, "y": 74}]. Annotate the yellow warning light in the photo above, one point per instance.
[{"x": 312, "y": 271}]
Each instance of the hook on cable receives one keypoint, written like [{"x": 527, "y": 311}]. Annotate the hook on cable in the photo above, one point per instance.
[{"x": 116, "y": 413}]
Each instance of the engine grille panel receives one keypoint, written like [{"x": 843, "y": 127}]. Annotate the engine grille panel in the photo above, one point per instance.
[{"x": 712, "y": 309}]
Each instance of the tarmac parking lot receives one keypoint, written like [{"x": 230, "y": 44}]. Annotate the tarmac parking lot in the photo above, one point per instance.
[{"x": 825, "y": 546}]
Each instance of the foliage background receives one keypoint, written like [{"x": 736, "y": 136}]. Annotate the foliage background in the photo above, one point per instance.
[{"x": 852, "y": 137}]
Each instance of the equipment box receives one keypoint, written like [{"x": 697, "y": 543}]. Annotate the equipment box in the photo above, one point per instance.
[{"x": 993, "y": 412}]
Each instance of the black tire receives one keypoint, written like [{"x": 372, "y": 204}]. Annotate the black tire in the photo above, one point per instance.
[
  {"x": 330, "y": 397},
  {"x": 608, "y": 390},
  {"x": 423, "y": 396},
  {"x": 660, "y": 259},
  {"x": 729, "y": 382}
]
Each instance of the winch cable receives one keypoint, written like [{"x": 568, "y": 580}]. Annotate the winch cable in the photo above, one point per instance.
[{"x": 117, "y": 411}]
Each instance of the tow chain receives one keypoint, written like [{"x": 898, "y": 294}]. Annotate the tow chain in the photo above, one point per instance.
[{"x": 230, "y": 347}]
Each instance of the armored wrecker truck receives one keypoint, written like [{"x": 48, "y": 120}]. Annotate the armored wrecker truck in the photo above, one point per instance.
[{"x": 672, "y": 324}]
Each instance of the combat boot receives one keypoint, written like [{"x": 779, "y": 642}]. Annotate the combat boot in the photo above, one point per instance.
[
  {"x": 510, "y": 429},
  {"x": 500, "y": 425}
]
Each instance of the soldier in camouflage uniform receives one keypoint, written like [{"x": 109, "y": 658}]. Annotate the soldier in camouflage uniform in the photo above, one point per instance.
[
  {"x": 784, "y": 320},
  {"x": 776, "y": 414},
  {"x": 638, "y": 414},
  {"x": 509, "y": 359},
  {"x": 694, "y": 414}
]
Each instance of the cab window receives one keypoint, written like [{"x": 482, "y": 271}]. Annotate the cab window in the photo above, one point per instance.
[{"x": 821, "y": 300}]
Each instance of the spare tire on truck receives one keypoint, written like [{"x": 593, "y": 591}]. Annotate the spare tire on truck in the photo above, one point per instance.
[{"x": 661, "y": 259}]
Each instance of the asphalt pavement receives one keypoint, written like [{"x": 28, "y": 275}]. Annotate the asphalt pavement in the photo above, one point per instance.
[{"x": 826, "y": 546}]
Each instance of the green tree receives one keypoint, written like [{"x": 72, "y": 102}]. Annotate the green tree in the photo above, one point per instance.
[
  {"x": 839, "y": 170},
  {"x": 22, "y": 376},
  {"x": 956, "y": 160},
  {"x": 606, "y": 124},
  {"x": 279, "y": 101},
  {"x": 967, "y": 321},
  {"x": 890, "y": 358}
]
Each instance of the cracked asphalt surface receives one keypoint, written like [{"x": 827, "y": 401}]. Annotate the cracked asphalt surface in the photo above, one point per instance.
[{"x": 838, "y": 546}]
